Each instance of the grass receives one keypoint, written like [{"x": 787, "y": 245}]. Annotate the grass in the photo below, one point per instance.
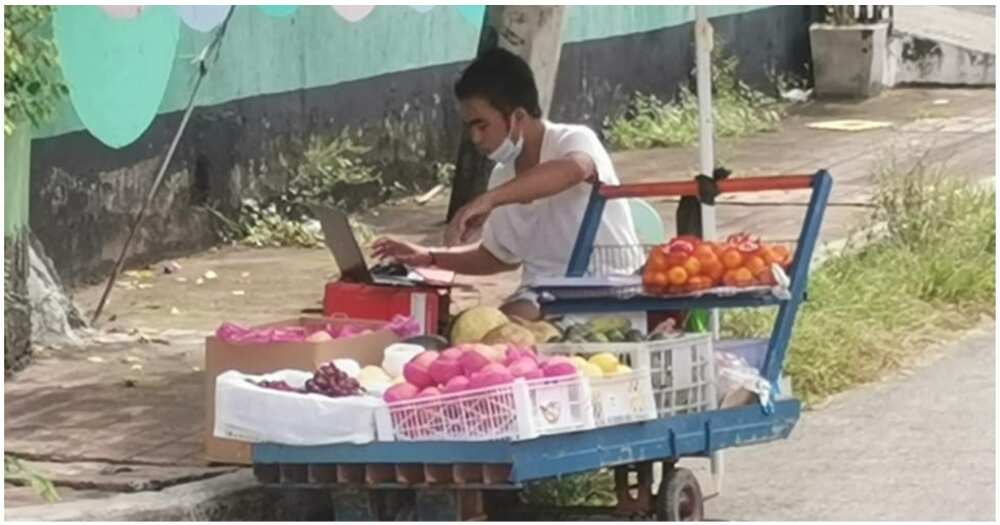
[
  {"x": 881, "y": 301},
  {"x": 737, "y": 111}
]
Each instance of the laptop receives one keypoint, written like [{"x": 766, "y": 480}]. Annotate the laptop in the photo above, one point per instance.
[{"x": 343, "y": 245}]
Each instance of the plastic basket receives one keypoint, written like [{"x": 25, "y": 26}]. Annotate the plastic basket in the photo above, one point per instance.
[
  {"x": 515, "y": 411},
  {"x": 681, "y": 369},
  {"x": 623, "y": 398}
]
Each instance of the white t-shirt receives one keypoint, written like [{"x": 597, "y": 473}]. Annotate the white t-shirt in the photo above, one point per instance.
[{"x": 541, "y": 234}]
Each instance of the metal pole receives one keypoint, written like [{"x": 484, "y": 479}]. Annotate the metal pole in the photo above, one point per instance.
[
  {"x": 703, "y": 36},
  {"x": 202, "y": 71}
]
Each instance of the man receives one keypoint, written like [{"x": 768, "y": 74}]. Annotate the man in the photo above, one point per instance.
[{"x": 538, "y": 190}]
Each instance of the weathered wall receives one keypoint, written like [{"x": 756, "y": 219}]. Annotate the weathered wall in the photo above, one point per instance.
[
  {"x": 17, "y": 314},
  {"x": 280, "y": 79}
]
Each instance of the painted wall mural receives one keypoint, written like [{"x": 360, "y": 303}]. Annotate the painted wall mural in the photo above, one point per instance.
[
  {"x": 126, "y": 64},
  {"x": 115, "y": 105}
]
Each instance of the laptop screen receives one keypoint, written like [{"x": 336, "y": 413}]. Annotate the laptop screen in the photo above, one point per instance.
[{"x": 340, "y": 240}]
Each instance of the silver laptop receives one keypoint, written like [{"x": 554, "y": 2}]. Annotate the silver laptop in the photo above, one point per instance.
[{"x": 340, "y": 240}]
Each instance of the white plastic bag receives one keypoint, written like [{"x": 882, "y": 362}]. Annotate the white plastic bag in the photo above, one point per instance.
[
  {"x": 247, "y": 412},
  {"x": 737, "y": 379}
]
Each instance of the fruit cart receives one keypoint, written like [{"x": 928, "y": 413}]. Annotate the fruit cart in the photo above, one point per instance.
[{"x": 458, "y": 480}]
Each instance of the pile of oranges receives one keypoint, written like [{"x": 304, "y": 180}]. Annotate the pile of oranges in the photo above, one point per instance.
[{"x": 687, "y": 264}]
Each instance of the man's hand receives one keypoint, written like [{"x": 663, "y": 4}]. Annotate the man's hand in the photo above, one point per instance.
[
  {"x": 468, "y": 219},
  {"x": 403, "y": 252}
]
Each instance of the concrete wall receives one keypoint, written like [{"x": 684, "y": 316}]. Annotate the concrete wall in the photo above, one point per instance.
[{"x": 283, "y": 77}]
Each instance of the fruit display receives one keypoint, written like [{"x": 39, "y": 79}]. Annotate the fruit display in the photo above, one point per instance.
[
  {"x": 604, "y": 364},
  {"x": 606, "y": 330},
  {"x": 276, "y": 385},
  {"x": 488, "y": 325},
  {"x": 472, "y": 366},
  {"x": 687, "y": 264},
  {"x": 402, "y": 326},
  {"x": 333, "y": 382},
  {"x": 473, "y": 324},
  {"x": 329, "y": 380},
  {"x": 509, "y": 333}
]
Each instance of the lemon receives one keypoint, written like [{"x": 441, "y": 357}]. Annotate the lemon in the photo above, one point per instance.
[
  {"x": 606, "y": 360},
  {"x": 591, "y": 370},
  {"x": 623, "y": 369},
  {"x": 578, "y": 362}
]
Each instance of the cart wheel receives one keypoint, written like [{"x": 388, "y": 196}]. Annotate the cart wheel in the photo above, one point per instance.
[{"x": 679, "y": 497}]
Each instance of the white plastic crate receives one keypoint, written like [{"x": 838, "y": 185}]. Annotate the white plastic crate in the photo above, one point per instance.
[
  {"x": 623, "y": 398},
  {"x": 681, "y": 369},
  {"x": 515, "y": 411}
]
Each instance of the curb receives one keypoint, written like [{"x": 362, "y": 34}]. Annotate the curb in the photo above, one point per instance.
[{"x": 230, "y": 497}]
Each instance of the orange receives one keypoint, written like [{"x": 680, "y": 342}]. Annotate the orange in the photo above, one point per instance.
[
  {"x": 704, "y": 252},
  {"x": 692, "y": 266},
  {"x": 660, "y": 279},
  {"x": 718, "y": 249},
  {"x": 713, "y": 270},
  {"x": 783, "y": 255},
  {"x": 676, "y": 259},
  {"x": 755, "y": 264},
  {"x": 742, "y": 277},
  {"x": 677, "y": 275},
  {"x": 765, "y": 277},
  {"x": 729, "y": 278},
  {"x": 732, "y": 258},
  {"x": 657, "y": 260},
  {"x": 768, "y": 255},
  {"x": 698, "y": 282},
  {"x": 647, "y": 276}
]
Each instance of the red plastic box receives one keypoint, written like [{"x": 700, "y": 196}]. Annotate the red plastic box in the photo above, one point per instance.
[{"x": 427, "y": 305}]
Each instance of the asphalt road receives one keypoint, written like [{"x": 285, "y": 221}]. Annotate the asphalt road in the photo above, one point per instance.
[{"x": 920, "y": 446}]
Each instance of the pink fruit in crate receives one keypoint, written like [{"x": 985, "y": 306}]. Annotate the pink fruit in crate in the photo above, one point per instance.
[
  {"x": 425, "y": 358},
  {"x": 418, "y": 375},
  {"x": 443, "y": 369},
  {"x": 400, "y": 392},
  {"x": 452, "y": 353},
  {"x": 558, "y": 368},
  {"x": 430, "y": 391},
  {"x": 491, "y": 375},
  {"x": 494, "y": 353},
  {"x": 554, "y": 359},
  {"x": 472, "y": 361},
  {"x": 537, "y": 373},
  {"x": 522, "y": 366},
  {"x": 514, "y": 353},
  {"x": 456, "y": 384}
]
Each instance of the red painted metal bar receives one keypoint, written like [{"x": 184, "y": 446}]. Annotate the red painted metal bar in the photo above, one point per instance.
[{"x": 690, "y": 187}]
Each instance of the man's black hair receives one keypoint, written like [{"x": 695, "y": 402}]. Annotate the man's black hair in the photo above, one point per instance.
[{"x": 503, "y": 79}]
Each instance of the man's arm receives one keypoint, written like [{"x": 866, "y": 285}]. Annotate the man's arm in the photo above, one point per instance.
[
  {"x": 471, "y": 259},
  {"x": 546, "y": 179}
]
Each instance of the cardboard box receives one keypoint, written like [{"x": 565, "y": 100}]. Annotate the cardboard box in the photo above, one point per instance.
[{"x": 262, "y": 358}]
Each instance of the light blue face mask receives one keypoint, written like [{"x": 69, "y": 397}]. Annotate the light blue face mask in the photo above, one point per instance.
[{"x": 508, "y": 150}]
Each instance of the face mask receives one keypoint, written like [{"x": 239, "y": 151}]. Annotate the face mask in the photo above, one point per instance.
[{"x": 508, "y": 151}]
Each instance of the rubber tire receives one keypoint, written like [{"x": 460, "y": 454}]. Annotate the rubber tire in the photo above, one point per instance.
[{"x": 679, "y": 497}]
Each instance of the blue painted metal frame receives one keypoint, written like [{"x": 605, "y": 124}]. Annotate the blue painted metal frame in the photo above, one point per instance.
[
  {"x": 568, "y": 306},
  {"x": 787, "y": 309},
  {"x": 686, "y": 435}
]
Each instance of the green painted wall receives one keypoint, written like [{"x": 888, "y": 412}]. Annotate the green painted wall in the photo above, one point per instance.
[
  {"x": 16, "y": 167},
  {"x": 593, "y": 22},
  {"x": 121, "y": 76}
]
